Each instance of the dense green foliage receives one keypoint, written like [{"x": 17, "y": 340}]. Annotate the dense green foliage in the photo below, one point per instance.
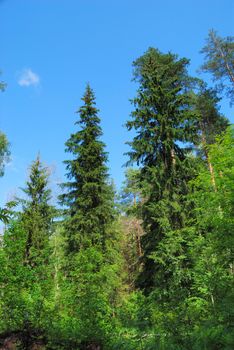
[
  {"x": 89, "y": 198},
  {"x": 150, "y": 269},
  {"x": 163, "y": 118},
  {"x": 93, "y": 263},
  {"x": 37, "y": 213},
  {"x": 26, "y": 282}
]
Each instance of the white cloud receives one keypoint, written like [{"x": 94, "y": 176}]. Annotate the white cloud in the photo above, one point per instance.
[{"x": 28, "y": 78}]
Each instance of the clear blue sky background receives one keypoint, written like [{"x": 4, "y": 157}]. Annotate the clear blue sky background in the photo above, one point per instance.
[{"x": 61, "y": 45}]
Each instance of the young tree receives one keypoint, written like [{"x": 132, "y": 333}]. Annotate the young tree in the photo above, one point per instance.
[
  {"x": 219, "y": 60},
  {"x": 26, "y": 279},
  {"x": 37, "y": 213}
]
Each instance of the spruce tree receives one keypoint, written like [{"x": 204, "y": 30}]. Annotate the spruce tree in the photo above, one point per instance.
[
  {"x": 37, "y": 213},
  {"x": 89, "y": 198},
  {"x": 165, "y": 124},
  {"x": 26, "y": 279},
  {"x": 92, "y": 253}
]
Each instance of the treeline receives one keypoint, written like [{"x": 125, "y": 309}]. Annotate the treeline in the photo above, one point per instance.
[{"x": 151, "y": 267}]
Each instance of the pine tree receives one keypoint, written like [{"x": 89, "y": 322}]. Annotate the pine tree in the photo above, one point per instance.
[
  {"x": 219, "y": 61},
  {"x": 211, "y": 123},
  {"x": 89, "y": 198},
  {"x": 164, "y": 121}
]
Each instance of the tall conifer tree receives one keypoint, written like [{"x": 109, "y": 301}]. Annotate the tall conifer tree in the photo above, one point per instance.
[
  {"x": 92, "y": 254},
  {"x": 89, "y": 197},
  {"x": 164, "y": 122}
]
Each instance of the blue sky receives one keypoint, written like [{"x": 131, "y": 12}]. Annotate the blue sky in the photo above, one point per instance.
[{"x": 51, "y": 48}]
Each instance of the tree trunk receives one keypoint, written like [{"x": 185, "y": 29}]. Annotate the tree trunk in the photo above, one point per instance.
[
  {"x": 210, "y": 166},
  {"x": 173, "y": 159}
]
